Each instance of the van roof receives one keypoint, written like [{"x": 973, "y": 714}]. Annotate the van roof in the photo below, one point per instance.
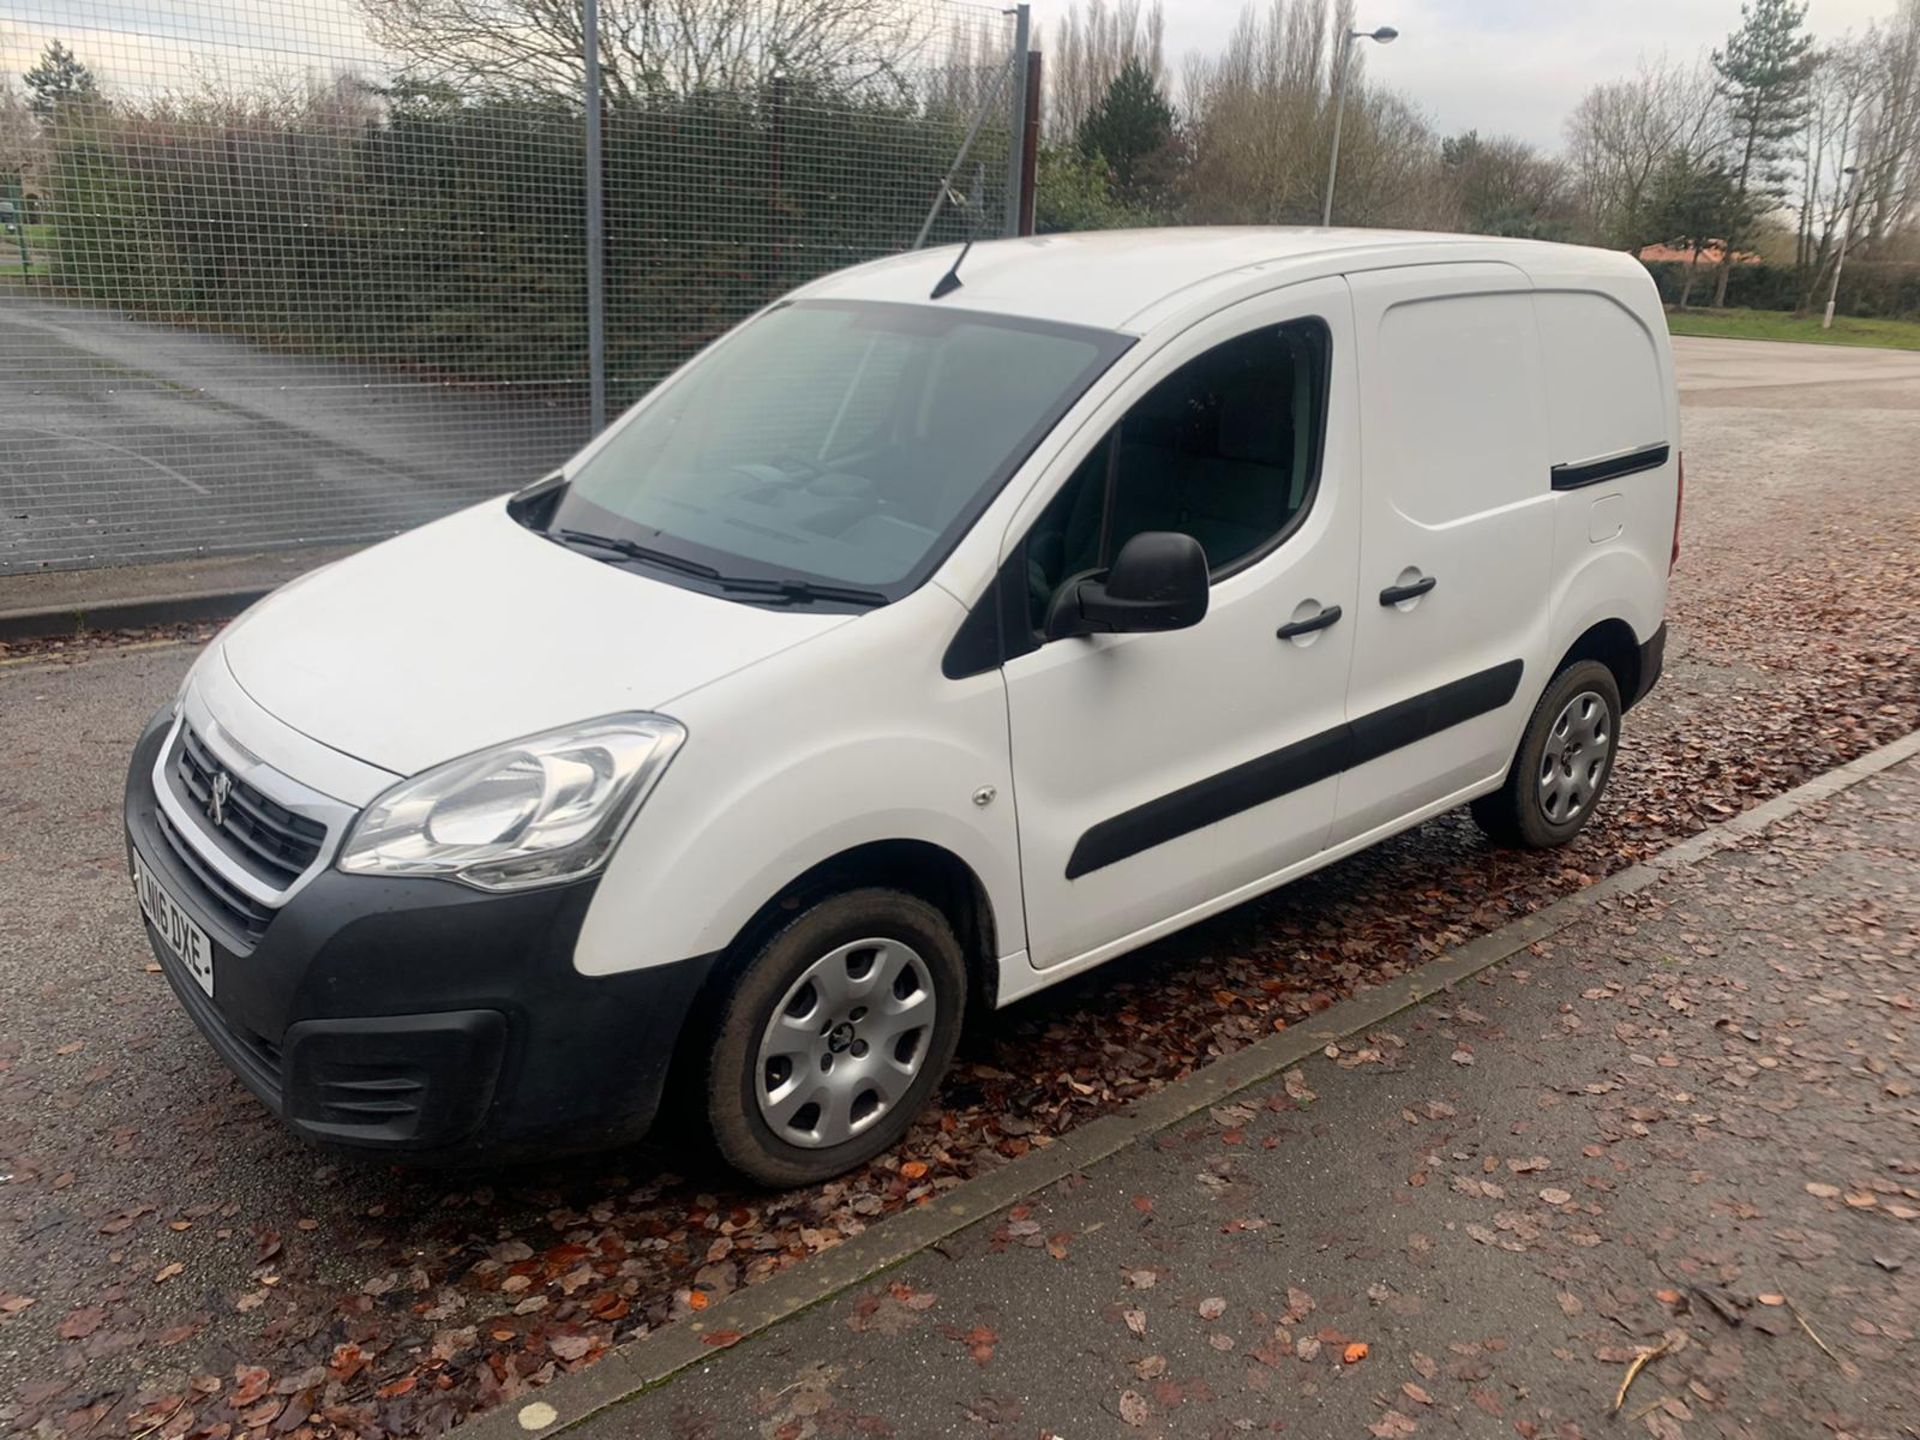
[{"x": 1115, "y": 279}]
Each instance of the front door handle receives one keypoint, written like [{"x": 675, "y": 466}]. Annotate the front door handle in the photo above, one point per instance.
[
  {"x": 1307, "y": 626},
  {"x": 1395, "y": 594}
]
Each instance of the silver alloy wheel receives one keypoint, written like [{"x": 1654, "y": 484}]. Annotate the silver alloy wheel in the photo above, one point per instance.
[
  {"x": 844, "y": 1045},
  {"x": 1575, "y": 757}
]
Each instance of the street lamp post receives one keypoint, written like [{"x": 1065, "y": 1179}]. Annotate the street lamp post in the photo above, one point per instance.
[
  {"x": 1840, "y": 258},
  {"x": 1385, "y": 35}
]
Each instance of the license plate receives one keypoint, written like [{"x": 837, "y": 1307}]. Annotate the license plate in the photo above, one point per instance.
[{"x": 184, "y": 938}]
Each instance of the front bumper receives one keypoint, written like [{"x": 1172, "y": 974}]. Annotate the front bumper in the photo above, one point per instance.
[{"x": 418, "y": 1015}]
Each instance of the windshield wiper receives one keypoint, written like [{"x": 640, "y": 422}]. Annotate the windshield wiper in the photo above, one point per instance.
[
  {"x": 793, "y": 592},
  {"x": 800, "y": 592},
  {"x": 633, "y": 550}
]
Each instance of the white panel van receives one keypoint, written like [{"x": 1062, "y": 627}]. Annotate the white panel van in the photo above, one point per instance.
[{"x": 956, "y": 623}]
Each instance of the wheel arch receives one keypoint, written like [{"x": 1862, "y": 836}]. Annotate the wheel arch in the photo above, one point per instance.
[
  {"x": 1613, "y": 644},
  {"x": 920, "y": 868}
]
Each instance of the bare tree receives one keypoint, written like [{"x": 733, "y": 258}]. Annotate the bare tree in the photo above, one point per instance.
[
  {"x": 651, "y": 47},
  {"x": 20, "y": 140},
  {"x": 1092, "y": 45},
  {"x": 1261, "y": 119},
  {"x": 1839, "y": 117},
  {"x": 1503, "y": 186},
  {"x": 1624, "y": 131},
  {"x": 1889, "y": 150}
]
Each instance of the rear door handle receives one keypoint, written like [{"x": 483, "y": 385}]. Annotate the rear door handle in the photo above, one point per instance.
[
  {"x": 1307, "y": 626},
  {"x": 1394, "y": 594}
]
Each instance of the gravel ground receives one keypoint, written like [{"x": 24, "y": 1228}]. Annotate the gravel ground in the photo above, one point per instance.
[
  {"x": 1682, "y": 1129},
  {"x": 157, "y": 1229}
]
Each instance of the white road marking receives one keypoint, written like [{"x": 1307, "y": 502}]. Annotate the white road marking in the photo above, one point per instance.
[{"x": 192, "y": 485}]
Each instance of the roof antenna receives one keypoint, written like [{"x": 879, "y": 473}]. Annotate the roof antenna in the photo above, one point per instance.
[
  {"x": 950, "y": 282},
  {"x": 974, "y": 208}
]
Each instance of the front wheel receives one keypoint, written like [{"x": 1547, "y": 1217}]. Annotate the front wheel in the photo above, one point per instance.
[
  {"x": 1563, "y": 764},
  {"x": 834, "y": 1034}
]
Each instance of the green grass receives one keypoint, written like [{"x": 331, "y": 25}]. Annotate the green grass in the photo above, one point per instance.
[
  {"x": 1780, "y": 325},
  {"x": 39, "y": 240}
]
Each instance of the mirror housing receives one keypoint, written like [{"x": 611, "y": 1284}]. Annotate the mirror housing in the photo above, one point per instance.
[{"x": 1158, "y": 582}]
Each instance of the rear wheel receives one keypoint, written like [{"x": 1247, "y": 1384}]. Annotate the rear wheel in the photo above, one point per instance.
[
  {"x": 833, "y": 1036},
  {"x": 1563, "y": 764}
]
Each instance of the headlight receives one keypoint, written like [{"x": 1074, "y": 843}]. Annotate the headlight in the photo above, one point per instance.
[{"x": 532, "y": 812}]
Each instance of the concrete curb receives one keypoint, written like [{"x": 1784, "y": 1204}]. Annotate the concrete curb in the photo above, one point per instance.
[
  {"x": 628, "y": 1369},
  {"x": 129, "y": 614}
]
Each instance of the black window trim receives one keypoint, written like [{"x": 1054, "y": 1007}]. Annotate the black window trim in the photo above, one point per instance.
[
  {"x": 1001, "y": 612},
  {"x": 1315, "y": 463}
]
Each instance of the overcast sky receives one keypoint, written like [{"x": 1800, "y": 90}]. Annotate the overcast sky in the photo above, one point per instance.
[{"x": 1511, "y": 67}]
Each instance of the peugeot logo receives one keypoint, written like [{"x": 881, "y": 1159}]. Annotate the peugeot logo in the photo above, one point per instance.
[{"x": 217, "y": 801}]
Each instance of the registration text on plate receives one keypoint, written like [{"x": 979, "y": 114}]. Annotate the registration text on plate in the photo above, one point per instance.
[{"x": 184, "y": 938}]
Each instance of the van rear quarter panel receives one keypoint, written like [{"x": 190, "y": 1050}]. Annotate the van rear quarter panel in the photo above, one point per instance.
[
  {"x": 797, "y": 759},
  {"x": 1610, "y": 389}
]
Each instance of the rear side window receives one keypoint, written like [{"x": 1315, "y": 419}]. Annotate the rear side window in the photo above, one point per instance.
[
  {"x": 1604, "y": 394},
  {"x": 1225, "y": 449},
  {"x": 1457, "y": 417}
]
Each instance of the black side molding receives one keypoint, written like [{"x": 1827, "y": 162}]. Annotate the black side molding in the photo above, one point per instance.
[
  {"x": 1292, "y": 767},
  {"x": 1193, "y": 807},
  {"x": 1609, "y": 467}
]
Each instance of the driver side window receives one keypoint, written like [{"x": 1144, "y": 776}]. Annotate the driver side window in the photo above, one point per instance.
[{"x": 1225, "y": 449}]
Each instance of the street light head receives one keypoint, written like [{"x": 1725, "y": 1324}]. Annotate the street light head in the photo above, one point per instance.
[{"x": 1386, "y": 35}]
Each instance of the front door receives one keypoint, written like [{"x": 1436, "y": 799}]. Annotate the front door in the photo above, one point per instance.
[
  {"x": 1456, "y": 537},
  {"x": 1156, "y": 773}
]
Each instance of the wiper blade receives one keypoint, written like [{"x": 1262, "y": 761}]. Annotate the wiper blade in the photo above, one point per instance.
[
  {"x": 633, "y": 550},
  {"x": 796, "y": 592},
  {"x": 800, "y": 592}
]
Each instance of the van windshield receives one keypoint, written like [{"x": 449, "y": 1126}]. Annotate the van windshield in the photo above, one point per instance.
[{"x": 828, "y": 444}]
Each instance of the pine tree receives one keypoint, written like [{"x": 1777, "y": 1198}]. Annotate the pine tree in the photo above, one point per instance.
[
  {"x": 1764, "y": 73},
  {"x": 58, "y": 80},
  {"x": 1694, "y": 203},
  {"x": 1131, "y": 129}
]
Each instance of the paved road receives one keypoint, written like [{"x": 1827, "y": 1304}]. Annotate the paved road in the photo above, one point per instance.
[
  {"x": 126, "y": 441},
  {"x": 128, "y": 1151},
  {"x": 1687, "y": 1121}
]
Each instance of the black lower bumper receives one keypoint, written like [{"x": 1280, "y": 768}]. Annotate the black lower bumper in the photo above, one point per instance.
[{"x": 419, "y": 1015}]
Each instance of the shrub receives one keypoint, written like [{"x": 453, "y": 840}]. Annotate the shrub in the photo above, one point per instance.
[{"x": 1872, "y": 289}]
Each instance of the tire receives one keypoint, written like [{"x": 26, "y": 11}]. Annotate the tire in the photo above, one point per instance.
[
  {"x": 1545, "y": 801},
  {"x": 842, "y": 1077}
]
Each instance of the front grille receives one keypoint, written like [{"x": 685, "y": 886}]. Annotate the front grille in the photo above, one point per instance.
[
  {"x": 243, "y": 913},
  {"x": 267, "y": 838}
]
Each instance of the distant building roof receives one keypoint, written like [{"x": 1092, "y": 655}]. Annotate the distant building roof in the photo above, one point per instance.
[{"x": 1709, "y": 254}]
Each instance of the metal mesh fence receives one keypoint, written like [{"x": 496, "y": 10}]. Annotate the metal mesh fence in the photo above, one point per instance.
[{"x": 311, "y": 271}]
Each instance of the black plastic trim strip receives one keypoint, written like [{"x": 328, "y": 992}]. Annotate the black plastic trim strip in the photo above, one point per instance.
[
  {"x": 1292, "y": 767},
  {"x": 1653, "y": 659},
  {"x": 1454, "y": 703},
  {"x": 1609, "y": 467}
]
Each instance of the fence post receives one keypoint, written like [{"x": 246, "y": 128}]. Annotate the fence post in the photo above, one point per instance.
[
  {"x": 1017, "y": 134},
  {"x": 1030, "y": 141},
  {"x": 596, "y": 225}
]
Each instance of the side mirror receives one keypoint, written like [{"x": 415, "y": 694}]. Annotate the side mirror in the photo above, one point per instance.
[{"x": 1158, "y": 582}]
